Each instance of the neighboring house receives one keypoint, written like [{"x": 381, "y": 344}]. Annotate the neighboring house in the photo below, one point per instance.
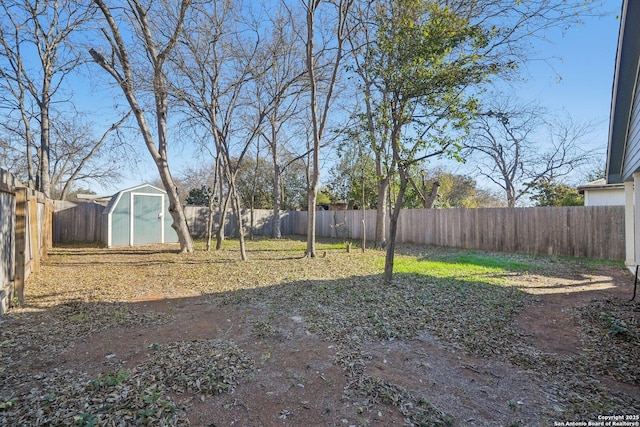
[
  {"x": 599, "y": 193},
  {"x": 138, "y": 216},
  {"x": 623, "y": 156}
]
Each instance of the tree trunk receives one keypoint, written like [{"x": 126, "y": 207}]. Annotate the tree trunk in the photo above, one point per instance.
[
  {"x": 222, "y": 216},
  {"x": 209, "y": 225},
  {"x": 430, "y": 199},
  {"x": 381, "y": 212},
  {"x": 511, "y": 196},
  {"x": 45, "y": 148},
  {"x": 364, "y": 215},
  {"x": 240, "y": 227},
  {"x": 311, "y": 218},
  {"x": 210, "y": 213},
  {"x": 160, "y": 157},
  {"x": 31, "y": 175},
  {"x": 312, "y": 191},
  {"x": 175, "y": 209},
  {"x": 275, "y": 232},
  {"x": 393, "y": 228}
]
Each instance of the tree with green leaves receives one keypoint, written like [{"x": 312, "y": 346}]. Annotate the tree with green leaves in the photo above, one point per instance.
[
  {"x": 552, "y": 193},
  {"x": 428, "y": 60},
  {"x": 353, "y": 177},
  {"x": 453, "y": 191},
  {"x": 199, "y": 196}
]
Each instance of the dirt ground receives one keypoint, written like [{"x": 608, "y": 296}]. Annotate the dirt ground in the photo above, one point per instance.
[
  {"x": 301, "y": 377},
  {"x": 297, "y": 383}
]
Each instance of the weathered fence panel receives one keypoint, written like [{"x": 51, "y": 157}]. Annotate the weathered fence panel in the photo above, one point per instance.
[
  {"x": 25, "y": 236},
  {"x": 591, "y": 231},
  {"x": 7, "y": 238},
  {"x": 196, "y": 217},
  {"x": 77, "y": 222},
  {"x": 578, "y": 231}
]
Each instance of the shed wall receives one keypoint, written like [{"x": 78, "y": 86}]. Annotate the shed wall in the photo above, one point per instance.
[
  {"x": 120, "y": 221},
  {"x": 139, "y": 207}
]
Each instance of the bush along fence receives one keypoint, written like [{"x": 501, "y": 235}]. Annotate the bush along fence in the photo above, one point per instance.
[
  {"x": 581, "y": 231},
  {"x": 25, "y": 236}
]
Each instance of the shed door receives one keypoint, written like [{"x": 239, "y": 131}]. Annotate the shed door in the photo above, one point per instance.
[{"x": 147, "y": 221}]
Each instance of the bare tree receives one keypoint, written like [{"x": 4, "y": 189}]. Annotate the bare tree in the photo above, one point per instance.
[
  {"x": 200, "y": 61},
  {"x": 517, "y": 146},
  {"x": 30, "y": 87},
  {"x": 280, "y": 88},
  {"x": 321, "y": 94},
  {"x": 217, "y": 64},
  {"x": 75, "y": 153},
  {"x": 158, "y": 39}
]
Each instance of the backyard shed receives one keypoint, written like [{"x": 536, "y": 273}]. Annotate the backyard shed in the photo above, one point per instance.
[{"x": 138, "y": 216}]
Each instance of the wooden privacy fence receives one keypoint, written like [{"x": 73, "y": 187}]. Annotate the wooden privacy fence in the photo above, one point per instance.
[
  {"x": 77, "y": 222},
  {"x": 262, "y": 221},
  {"x": 578, "y": 231},
  {"x": 581, "y": 231},
  {"x": 25, "y": 236}
]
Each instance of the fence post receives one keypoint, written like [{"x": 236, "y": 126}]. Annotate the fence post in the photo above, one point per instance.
[
  {"x": 34, "y": 233},
  {"x": 47, "y": 228},
  {"x": 21, "y": 242}
]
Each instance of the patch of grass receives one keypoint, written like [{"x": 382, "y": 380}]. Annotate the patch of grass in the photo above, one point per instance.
[
  {"x": 463, "y": 267},
  {"x": 490, "y": 261}
]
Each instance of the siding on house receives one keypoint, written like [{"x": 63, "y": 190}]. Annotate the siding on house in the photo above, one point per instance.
[
  {"x": 632, "y": 158},
  {"x": 604, "y": 197},
  {"x": 623, "y": 158}
]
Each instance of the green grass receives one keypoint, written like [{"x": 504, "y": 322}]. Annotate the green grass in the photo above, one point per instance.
[
  {"x": 490, "y": 269},
  {"x": 490, "y": 261}
]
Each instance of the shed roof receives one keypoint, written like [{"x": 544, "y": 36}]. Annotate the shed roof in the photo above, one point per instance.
[
  {"x": 624, "y": 84},
  {"x": 114, "y": 199}
]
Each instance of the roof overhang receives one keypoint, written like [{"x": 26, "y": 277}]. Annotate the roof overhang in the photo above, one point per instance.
[
  {"x": 598, "y": 185},
  {"x": 624, "y": 88}
]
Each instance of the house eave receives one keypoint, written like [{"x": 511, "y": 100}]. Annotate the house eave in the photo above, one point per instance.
[{"x": 623, "y": 91}]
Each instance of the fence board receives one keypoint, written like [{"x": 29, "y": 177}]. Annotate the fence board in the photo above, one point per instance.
[
  {"x": 7, "y": 246},
  {"x": 77, "y": 222},
  {"x": 23, "y": 236}
]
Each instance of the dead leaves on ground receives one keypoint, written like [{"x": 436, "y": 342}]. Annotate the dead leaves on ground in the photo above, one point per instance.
[
  {"x": 341, "y": 298},
  {"x": 136, "y": 396}
]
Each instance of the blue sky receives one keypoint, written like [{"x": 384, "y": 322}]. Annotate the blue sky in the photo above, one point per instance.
[
  {"x": 572, "y": 74},
  {"x": 578, "y": 77}
]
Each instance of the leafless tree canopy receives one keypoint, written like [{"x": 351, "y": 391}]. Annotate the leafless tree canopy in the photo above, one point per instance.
[
  {"x": 518, "y": 145},
  {"x": 235, "y": 82}
]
